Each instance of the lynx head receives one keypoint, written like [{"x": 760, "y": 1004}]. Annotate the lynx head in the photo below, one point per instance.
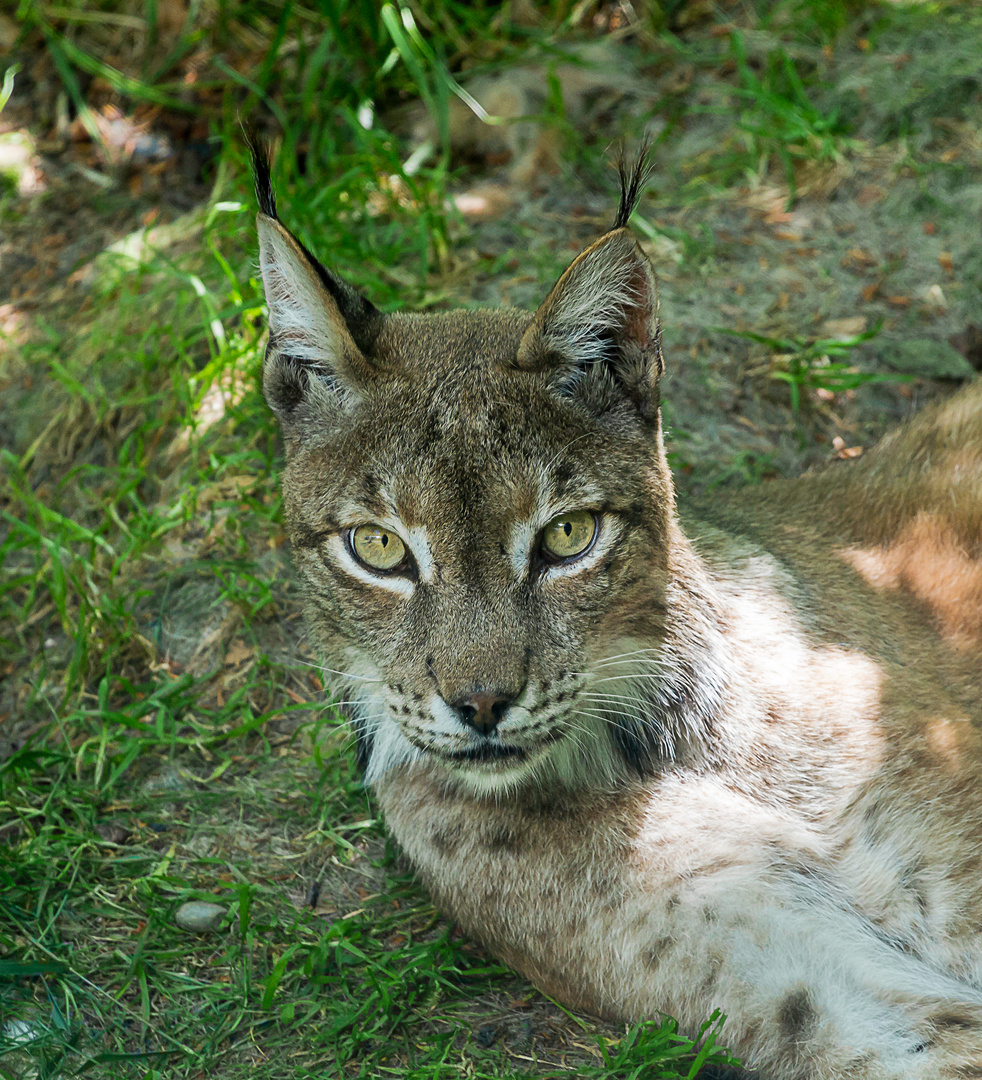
[{"x": 480, "y": 511}]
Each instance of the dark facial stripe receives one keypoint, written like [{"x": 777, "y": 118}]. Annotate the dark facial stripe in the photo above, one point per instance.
[
  {"x": 363, "y": 745},
  {"x": 303, "y": 535}
]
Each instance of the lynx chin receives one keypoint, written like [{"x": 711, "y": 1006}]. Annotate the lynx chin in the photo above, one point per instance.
[{"x": 660, "y": 760}]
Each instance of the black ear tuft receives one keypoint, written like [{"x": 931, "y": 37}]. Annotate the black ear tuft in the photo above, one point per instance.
[
  {"x": 262, "y": 160},
  {"x": 363, "y": 319},
  {"x": 634, "y": 178}
]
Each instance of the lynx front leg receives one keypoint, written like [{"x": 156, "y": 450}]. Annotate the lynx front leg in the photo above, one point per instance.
[
  {"x": 810, "y": 990},
  {"x": 747, "y": 914},
  {"x": 686, "y": 902}
]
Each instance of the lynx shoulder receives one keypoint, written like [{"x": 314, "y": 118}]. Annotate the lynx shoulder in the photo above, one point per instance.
[{"x": 658, "y": 761}]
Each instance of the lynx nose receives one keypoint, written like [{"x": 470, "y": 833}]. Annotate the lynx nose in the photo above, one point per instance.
[{"x": 483, "y": 711}]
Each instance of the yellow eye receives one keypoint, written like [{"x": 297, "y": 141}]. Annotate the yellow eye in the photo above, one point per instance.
[
  {"x": 377, "y": 547},
  {"x": 569, "y": 535}
]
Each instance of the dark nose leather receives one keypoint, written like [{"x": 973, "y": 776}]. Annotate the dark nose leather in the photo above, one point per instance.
[{"x": 483, "y": 710}]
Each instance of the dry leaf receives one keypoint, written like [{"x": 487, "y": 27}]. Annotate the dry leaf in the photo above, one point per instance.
[
  {"x": 843, "y": 451},
  {"x": 870, "y": 194},
  {"x": 238, "y": 651},
  {"x": 778, "y": 216},
  {"x": 171, "y": 16},
  {"x": 857, "y": 260},
  {"x": 229, "y": 488},
  {"x": 485, "y": 201},
  {"x": 9, "y": 31}
]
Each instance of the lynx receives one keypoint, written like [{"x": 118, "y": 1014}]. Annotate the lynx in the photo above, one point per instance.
[{"x": 659, "y": 761}]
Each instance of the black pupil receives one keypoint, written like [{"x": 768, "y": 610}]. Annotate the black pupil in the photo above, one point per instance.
[
  {"x": 567, "y": 527},
  {"x": 384, "y": 539}
]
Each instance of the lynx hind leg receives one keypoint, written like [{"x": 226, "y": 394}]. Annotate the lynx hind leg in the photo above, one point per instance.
[
  {"x": 813, "y": 992},
  {"x": 883, "y": 1036},
  {"x": 950, "y": 1049}
]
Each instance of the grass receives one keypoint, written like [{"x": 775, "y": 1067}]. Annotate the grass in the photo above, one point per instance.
[
  {"x": 806, "y": 365},
  {"x": 779, "y": 118},
  {"x": 165, "y": 734}
]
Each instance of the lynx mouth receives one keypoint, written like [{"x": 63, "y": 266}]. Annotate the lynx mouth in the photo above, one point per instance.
[
  {"x": 486, "y": 752},
  {"x": 503, "y": 755}
]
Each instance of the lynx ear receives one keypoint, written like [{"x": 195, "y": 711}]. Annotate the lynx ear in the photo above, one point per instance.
[
  {"x": 319, "y": 330},
  {"x": 599, "y": 325}
]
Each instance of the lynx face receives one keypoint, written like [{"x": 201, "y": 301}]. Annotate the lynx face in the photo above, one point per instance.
[{"x": 479, "y": 507}]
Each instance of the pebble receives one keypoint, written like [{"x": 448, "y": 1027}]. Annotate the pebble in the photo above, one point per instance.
[
  {"x": 200, "y": 917},
  {"x": 487, "y": 1035},
  {"x": 20, "y": 1032}
]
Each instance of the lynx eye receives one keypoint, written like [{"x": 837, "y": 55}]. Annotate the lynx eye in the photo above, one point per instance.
[
  {"x": 377, "y": 547},
  {"x": 569, "y": 535}
]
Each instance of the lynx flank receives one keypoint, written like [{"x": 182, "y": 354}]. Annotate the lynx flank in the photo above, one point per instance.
[{"x": 658, "y": 760}]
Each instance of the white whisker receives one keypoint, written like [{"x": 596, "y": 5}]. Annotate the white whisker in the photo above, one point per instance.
[
  {"x": 622, "y": 656},
  {"x": 631, "y": 677},
  {"x": 334, "y": 671},
  {"x": 346, "y": 674}
]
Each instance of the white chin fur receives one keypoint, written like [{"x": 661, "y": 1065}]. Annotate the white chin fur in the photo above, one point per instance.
[
  {"x": 584, "y": 756},
  {"x": 389, "y": 748}
]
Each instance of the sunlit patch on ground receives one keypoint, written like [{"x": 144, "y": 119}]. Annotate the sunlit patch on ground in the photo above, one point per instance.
[{"x": 19, "y": 163}]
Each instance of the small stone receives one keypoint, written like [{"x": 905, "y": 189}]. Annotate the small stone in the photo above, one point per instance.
[
  {"x": 167, "y": 780},
  {"x": 843, "y": 329},
  {"x": 486, "y": 1035},
  {"x": 20, "y": 1032},
  {"x": 199, "y": 917},
  {"x": 112, "y": 832},
  {"x": 927, "y": 359}
]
